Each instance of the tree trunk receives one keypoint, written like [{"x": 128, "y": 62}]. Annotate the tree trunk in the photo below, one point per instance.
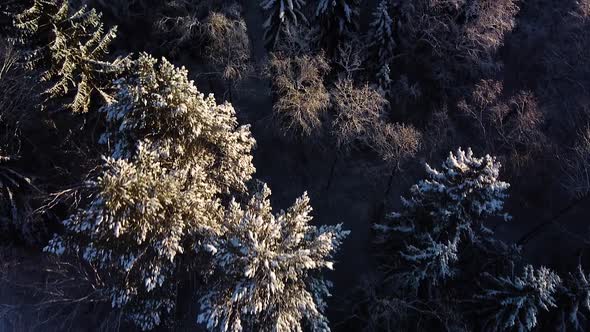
[
  {"x": 332, "y": 169},
  {"x": 380, "y": 210}
]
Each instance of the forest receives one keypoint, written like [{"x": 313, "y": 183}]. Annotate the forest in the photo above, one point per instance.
[{"x": 295, "y": 165}]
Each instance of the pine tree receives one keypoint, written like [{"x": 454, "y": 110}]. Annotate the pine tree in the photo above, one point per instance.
[
  {"x": 141, "y": 218},
  {"x": 160, "y": 104},
  {"x": 174, "y": 154},
  {"x": 445, "y": 210},
  {"x": 574, "y": 304},
  {"x": 337, "y": 18},
  {"x": 70, "y": 49},
  {"x": 514, "y": 303},
  {"x": 283, "y": 15},
  {"x": 269, "y": 269},
  {"x": 382, "y": 43}
]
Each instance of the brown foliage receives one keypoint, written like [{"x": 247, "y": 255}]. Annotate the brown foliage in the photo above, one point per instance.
[
  {"x": 396, "y": 142},
  {"x": 358, "y": 112},
  {"x": 228, "y": 48},
  {"x": 448, "y": 41},
  {"x": 510, "y": 126},
  {"x": 301, "y": 96}
]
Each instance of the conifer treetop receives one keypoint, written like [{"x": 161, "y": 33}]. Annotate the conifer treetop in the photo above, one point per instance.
[
  {"x": 269, "y": 268},
  {"x": 70, "y": 47},
  {"x": 160, "y": 104}
]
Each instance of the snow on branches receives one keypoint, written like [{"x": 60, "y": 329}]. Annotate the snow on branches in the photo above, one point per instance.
[
  {"x": 382, "y": 43},
  {"x": 173, "y": 154},
  {"x": 574, "y": 301},
  {"x": 188, "y": 130},
  {"x": 71, "y": 49},
  {"x": 136, "y": 225},
  {"x": 513, "y": 303},
  {"x": 445, "y": 209},
  {"x": 284, "y": 14},
  {"x": 270, "y": 268}
]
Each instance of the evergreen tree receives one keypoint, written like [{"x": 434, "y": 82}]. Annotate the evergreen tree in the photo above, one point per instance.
[
  {"x": 174, "y": 154},
  {"x": 574, "y": 301},
  {"x": 269, "y": 269},
  {"x": 160, "y": 104},
  {"x": 70, "y": 48},
  {"x": 283, "y": 14},
  {"x": 382, "y": 43},
  {"x": 445, "y": 210},
  {"x": 513, "y": 303},
  {"x": 337, "y": 18},
  {"x": 140, "y": 220}
]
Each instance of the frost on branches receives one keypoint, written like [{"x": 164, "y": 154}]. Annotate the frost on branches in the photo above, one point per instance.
[
  {"x": 188, "y": 130},
  {"x": 283, "y": 15},
  {"x": 575, "y": 301},
  {"x": 71, "y": 49},
  {"x": 269, "y": 269},
  {"x": 513, "y": 303},
  {"x": 443, "y": 211},
  {"x": 135, "y": 228},
  {"x": 382, "y": 43}
]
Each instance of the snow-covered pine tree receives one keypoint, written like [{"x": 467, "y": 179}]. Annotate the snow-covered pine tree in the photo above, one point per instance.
[
  {"x": 514, "y": 303},
  {"x": 283, "y": 14},
  {"x": 336, "y": 18},
  {"x": 159, "y": 103},
  {"x": 384, "y": 79},
  {"x": 269, "y": 269},
  {"x": 574, "y": 301},
  {"x": 174, "y": 153},
  {"x": 444, "y": 211},
  {"x": 70, "y": 49},
  {"x": 382, "y": 43},
  {"x": 141, "y": 218}
]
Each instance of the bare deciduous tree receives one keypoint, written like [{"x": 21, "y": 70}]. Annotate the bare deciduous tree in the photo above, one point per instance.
[
  {"x": 228, "y": 47},
  {"x": 358, "y": 112},
  {"x": 507, "y": 125},
  {"x": 301, "y": 96},
  {"x": 396, "y": 142},
  {"x": 577, "y": 166}
]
